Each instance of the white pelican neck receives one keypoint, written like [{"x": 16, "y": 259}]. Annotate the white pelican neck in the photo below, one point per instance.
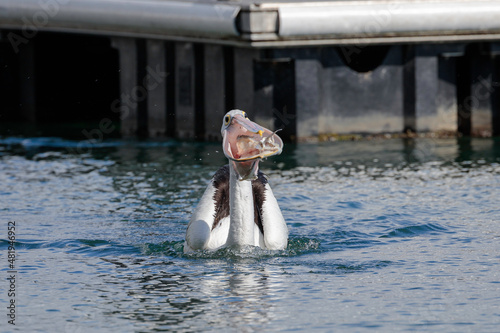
[{"x": 242, "y": 228}]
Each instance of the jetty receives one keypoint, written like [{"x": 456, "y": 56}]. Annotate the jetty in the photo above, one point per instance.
[{"x": 163, "y": 68}]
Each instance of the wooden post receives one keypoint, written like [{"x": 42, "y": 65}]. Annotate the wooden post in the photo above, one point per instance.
[
  {"x": 274, "y": 103},
  {"x": 244, "y": 78},
  {"x": 130, "y": 93},
  {"x": 155, "y": 83},
  {"x": 214, "y": 86},
  {"x": 446, "y": 103},
  {"x": 308, "y": 97},
  {"x": 495, "y": 96},
  {"x": 185, "y": 80},
  {"x": 426, "y": 89},
  {"x": 27, "y": 81},
  {"x": 482, "y": 89},
  {"x": 263, "y": 90}
]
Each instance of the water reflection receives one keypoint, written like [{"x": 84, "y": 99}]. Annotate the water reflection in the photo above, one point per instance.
[
  {"x": 151, "y": 297},
  {"x": 394, "y": 151},
  {"x": 224, "y": 294},
  {"x": 173, "y": 153},
  {"x": 487, "y": 150},
  {"x": 241, "y": 296},
  {"x": 464, "y": 150}
]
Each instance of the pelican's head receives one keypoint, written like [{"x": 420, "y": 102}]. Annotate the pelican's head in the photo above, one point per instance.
[{"x": 245, "y": 143}]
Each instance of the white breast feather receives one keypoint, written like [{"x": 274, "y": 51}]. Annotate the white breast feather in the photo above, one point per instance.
[
  {"x": 275, "y": 229},
  {"x": 200, "y": 236}
]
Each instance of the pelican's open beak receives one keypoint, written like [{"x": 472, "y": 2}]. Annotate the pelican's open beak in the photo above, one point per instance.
[{"x": 245, "y": 143}]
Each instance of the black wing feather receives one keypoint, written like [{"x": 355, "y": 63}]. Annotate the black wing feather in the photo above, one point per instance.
[{"x": 220, "y": 181}]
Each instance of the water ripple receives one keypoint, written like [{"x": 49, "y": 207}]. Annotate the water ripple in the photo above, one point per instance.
[
  {"x": 398, "y": 235},
  {"x": 415, "y": 230}
]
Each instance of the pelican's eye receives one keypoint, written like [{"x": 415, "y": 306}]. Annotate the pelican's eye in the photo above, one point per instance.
[
  {"x": 245, "y": 115},
  {"x": 227, "y": 119}
]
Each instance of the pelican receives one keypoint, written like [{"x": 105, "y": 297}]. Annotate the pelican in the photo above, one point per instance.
[{"x": 238, "y": 207}]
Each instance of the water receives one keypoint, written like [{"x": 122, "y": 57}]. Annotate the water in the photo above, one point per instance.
[{"x": 385, "y": 235}]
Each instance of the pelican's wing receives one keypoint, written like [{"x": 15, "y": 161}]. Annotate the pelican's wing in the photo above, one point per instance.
[
  {"x": 213, "y": 206},
  {"x": 200, "y": 225},
  {"x": 273, "y": 224}
]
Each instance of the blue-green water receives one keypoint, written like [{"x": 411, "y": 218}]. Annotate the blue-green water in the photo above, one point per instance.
[{"x": 385, "y": 236}]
